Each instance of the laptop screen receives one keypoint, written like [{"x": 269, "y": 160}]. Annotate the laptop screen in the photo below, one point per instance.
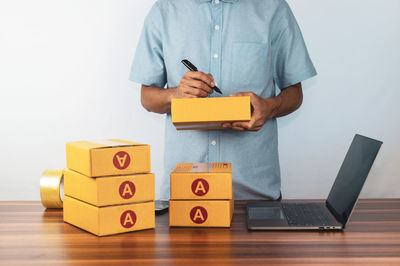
[{"x": 351, "y": 176}]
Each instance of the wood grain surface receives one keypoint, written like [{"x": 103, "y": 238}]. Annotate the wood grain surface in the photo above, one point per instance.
[{"x": 29, "y": 234}]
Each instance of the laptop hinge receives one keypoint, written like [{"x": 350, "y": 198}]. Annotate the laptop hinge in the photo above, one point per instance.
[{"x": 335, "y": 214}]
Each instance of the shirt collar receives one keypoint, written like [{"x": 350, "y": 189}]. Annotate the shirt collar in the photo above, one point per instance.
[{"x": 228, "y": 1}]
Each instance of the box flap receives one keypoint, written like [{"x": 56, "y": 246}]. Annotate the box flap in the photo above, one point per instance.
[
  {"x": 87, "y": 145},
  {"x": 112, "y": 143},
  {"x": 203, "y": 168}
]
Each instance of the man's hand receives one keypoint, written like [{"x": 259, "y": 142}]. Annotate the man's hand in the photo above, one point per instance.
[
  {"x": 263, "y": 110},
  {"x": 194, "y": 85}
]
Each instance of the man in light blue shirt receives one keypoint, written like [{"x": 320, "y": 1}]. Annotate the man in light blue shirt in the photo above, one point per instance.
[{"x": 248, "y": 47}]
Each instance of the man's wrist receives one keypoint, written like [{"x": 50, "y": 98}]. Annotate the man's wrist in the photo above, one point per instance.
[
  {"x": 171, "y": 94},
  {"x": 278, "y": 101},
  {"x": 275, "y": 104}
]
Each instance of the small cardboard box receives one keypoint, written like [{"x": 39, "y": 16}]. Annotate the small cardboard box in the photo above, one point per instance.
[
  {"x": 201, "y": 213},
  {"x": 110, "y": 220},
  {"x": 201, "y": 181},
  {"x": 108, "y": 157},
  {"x": 209, "y": 113},
  {"x": 110, "y": 190}
]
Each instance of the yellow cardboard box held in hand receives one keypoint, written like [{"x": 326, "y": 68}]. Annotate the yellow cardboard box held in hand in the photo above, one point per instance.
[
  {"x": 110, "y": 190},
  {"x": 108, "y": 157},
  {"x": 209, "y": 113},
  {"x": 191, "y": 181},
  {"x": 201, "y": 213},
  {"x": 109, "y": 220}
]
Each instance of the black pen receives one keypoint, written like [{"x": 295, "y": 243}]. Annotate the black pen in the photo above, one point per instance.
[{"x": 191, "y": 67}]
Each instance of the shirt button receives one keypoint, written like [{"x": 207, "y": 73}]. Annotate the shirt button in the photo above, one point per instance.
[
  {"x": 217, "y": 1},
  {"x": 213, "y": 143},
  {"x": 216, "y": 27},
  {"x": 215, "y": 55}
]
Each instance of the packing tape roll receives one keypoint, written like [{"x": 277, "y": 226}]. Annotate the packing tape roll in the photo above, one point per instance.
[{"x": 52, "y": 189}]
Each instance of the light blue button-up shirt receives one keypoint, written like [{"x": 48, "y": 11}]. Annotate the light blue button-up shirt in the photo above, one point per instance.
[{"x": 247, "y": 45}]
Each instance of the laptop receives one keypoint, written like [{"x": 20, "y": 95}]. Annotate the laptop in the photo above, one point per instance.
[{"x": 332, "y": 214}]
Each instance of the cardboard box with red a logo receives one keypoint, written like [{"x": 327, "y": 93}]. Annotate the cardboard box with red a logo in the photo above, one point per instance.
[
  {"x": 109, "y": 220},
  {"x": 201, "y": 195},
  {"x": 201, "y": 213},
  {"x": 108, "y": 188},
  {"x": 108, "y": 157},
  {"x": 200, "y": 181}
]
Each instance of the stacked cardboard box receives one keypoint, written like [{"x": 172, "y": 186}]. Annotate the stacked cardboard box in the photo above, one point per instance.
[
  {"x": 201, "y": 195},
  {"x": 108, "y": 188}
]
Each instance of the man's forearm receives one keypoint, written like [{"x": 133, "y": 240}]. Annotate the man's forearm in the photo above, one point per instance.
[
  {"x": 157, "y": 100},
  {"x": 288, "y": 101}
]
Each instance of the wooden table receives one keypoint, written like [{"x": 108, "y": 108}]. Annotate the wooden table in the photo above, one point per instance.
[{"x": 29, "y": 234}]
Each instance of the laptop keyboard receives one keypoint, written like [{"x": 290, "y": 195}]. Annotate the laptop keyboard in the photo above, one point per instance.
[{"x": 307, "y": 214}]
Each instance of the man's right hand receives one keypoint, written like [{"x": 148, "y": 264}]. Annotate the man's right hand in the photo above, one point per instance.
[{"x": 194, "y": 85}]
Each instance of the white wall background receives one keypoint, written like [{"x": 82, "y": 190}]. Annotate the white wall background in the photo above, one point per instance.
[{"x": 64, "y": 76}]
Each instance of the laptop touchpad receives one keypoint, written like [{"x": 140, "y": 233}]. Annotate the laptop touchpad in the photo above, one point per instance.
[{"x": 268, "y": 215}]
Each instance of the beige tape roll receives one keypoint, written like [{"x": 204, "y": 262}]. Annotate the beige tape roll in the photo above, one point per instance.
[{"x": 51, "y": 188}]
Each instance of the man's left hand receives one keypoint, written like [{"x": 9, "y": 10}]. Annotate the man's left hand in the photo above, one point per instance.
[{"x": 263, "y": 110}]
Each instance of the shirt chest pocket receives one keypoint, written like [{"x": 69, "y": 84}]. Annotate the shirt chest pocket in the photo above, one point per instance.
[{"x": 250, "y": 66}]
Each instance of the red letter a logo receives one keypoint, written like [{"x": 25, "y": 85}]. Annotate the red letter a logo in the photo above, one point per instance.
[
  {"x": 121, "y": 160},
  {"x": 198, "y": 215}
]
